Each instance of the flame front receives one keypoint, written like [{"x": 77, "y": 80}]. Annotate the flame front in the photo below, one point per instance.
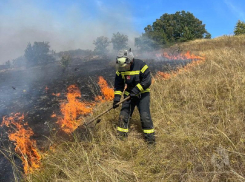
[
  {"x": 107, "y": 92},
  {"x": 185, "y": 56},
  {"x": 164, "y": 75},
  {"x": 72, "y": 110},
  {"x": 20, "y": 134},
  {"x": 196, "y": 60}
]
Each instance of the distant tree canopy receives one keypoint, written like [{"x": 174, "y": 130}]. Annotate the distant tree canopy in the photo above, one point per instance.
[
  {"x": 38, "y": 53},
  {"x": 171, "y": 28},
  {"x": 240, "y": 28},
  {"x": 101, "y": 44},
  {"x": 65, "y": 61},
  {"x": 145, "y": 43},
  {"x": 19, "y": 62},
  {"x": 119, "y": 41}
]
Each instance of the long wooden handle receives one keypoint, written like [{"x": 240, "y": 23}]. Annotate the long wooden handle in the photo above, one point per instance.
[{"x": 87, "y": 123}]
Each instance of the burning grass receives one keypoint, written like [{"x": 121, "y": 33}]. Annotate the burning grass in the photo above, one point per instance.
[
  {"x": 196, "y": 61},
  {"x": 20, "y": 133},
  {"x": 185, "y": 56},
  {"x": 199, "y": 122},
  {"x": 107, "y": 92},
  {"x": 72, "y": 110}
]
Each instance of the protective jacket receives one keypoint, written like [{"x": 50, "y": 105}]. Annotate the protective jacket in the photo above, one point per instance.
[{"x": 137, "y": 79}]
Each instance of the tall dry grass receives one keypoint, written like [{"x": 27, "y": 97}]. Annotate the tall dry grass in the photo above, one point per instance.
[{"x": 199, "y": 118}]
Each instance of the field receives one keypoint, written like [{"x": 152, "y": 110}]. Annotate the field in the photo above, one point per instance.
[{"x": 198, "y": 113}]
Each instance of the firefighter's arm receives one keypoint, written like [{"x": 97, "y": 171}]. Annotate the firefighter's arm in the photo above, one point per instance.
[
  {"x": 118, "y": 86},
  {"x": 145, "y": 80}
]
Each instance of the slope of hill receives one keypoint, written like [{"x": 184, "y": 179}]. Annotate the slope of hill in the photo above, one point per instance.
[{"x": 199, "y": 121}]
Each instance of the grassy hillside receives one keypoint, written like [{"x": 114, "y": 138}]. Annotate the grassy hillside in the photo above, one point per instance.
[{"x": 199, "y": 118}]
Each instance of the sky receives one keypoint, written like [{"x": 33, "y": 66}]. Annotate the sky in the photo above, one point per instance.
[{"x": 75, "y": 24}]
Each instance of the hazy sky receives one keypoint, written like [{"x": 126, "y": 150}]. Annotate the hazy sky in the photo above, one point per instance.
[{"x": 73, "y": 24}]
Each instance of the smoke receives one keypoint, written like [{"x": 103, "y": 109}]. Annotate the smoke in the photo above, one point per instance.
[{"x": 66, "y": 26}]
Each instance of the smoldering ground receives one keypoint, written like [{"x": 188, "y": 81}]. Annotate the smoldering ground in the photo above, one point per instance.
[{"x": 31, "y": 91}]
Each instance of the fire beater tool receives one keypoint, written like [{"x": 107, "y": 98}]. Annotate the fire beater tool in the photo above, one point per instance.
[{"x": 91, "y": 121}]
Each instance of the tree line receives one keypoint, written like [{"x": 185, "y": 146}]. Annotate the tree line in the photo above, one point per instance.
[{"x": 167, "y": 30}]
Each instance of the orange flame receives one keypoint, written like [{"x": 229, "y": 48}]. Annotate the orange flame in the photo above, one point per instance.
[
  {"x": 107, "y": 92},
  {"x": 57, "y": 95},
  {"x": 24, "y": 146},
  {"x": 53, "y": 115},
  {"x": 196, "y": 61},
  {"x": 164, "y": 75},
  {"x": 72, "y": 110},
  {"x": 185, "y": 56}
]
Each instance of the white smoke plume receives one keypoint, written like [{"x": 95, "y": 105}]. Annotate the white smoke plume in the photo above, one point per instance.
[{"x": 66, "y": 26}]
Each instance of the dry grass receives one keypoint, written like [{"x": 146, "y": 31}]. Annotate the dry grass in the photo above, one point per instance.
[{"x": 199, "y": 120}]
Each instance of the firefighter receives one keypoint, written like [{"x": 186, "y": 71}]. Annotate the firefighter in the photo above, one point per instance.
[{"x": 135, "y": 74}]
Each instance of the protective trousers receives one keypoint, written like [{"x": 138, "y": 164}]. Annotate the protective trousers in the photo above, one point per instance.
[{"x": 143, "y": 105}]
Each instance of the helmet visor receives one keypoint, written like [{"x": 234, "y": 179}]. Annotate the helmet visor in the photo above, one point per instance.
[{"x": 122, "y": 64}]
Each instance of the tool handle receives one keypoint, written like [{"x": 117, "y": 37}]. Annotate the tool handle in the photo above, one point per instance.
[
  {"x": 106, "y": 111},
  {"x": 122, "y": 101}
]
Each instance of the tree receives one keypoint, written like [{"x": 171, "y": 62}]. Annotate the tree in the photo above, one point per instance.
[
  {"x": 101, "y": 44},
  {"x": 65, "y": 61},
  {"x": 19, "y": 62},
  {"x": 38, "y": 53},
  {"x": 240, "y": 28},
  {"x": 119, "y": 41},
  {"x": 172, "y": 28},
  {"x": 145, "y": 43}
]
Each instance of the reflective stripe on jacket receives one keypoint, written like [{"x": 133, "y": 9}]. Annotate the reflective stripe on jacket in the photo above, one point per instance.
[{"x": 137, "y": 78}]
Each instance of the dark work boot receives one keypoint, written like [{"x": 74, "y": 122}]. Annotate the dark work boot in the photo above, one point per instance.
[{"x": 150, "y": 138}]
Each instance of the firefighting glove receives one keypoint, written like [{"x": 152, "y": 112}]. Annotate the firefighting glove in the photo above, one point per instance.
[
  {"x": 134, "y": 96},
  {"x": 115, "y": 104},
  {"x": 135, "y": 93}
]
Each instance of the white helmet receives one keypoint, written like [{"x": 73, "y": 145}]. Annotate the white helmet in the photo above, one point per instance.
[{"x": 124, "y": 58}]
